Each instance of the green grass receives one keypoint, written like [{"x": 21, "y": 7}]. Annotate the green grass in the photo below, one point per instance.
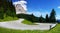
[
  {"x": 5, "y": 30},
  {"x": 8, "y": 19},
  {"x": 54, "y": 30},
  {"x": 28, "y": 22}
]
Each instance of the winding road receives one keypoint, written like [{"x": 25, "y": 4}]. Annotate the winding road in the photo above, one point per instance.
[{"x": 20, "y": 26}]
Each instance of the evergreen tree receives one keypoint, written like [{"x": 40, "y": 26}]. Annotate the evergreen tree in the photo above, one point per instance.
[
  {"x": 47, "y": 18},
  {"x": 41, "y": 19},
  {"x": 1, "y": 10},
  {"x": 0, "y": 3},
  {"x": 8, "y": 8},
  {"x": 12, "y": 8},
  {"x": 32, "y": 18},
  {"x": 5, "y": 5},
  {"x": 1, "y": 13},
  {"x": 52, "y": 16}
]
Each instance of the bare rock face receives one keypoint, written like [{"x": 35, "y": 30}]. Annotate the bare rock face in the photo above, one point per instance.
[{"x": 20, "y": 7}]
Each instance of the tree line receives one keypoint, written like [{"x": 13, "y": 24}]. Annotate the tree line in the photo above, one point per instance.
[
  {"x": 41, "y": 19},
  {"x": 48, "y": 19}
]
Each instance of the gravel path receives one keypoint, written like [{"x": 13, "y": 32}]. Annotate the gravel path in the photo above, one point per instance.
[{"x": 20, "y": 26}]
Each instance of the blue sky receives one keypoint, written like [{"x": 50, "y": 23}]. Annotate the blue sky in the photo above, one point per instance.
[{"x": 42, "y": 7}]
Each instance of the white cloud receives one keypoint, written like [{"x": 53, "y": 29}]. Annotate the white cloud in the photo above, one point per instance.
[
  {"x": 22, "y": 3},
  {"x": 58, "y": 6},
  {"x": 58, "y": 17}
]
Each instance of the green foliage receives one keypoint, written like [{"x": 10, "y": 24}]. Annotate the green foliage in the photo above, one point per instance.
[
  {"x": 41, "y": 19},
  {"x": 1, "y": 13},
  {"x": 28, "y": 17},
  {"x": 8, "y": 18},
  {"x": 7, "y": 10},
  {"x": 25, "y": 16},
  {"x": 47, "y": 18},
  {"x": 10, "y": 10},
  {"x": 50, "y": 19},
  {"x": 10, "y": 13},
  {"x": 52, "y": 16},
  {"x": 33, "y": 18}
]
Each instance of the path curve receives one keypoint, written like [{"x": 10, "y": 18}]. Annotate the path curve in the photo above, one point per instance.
[{"x": 20, "y": 26}]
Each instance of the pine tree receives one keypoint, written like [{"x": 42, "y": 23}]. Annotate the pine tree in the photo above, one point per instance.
[
  {"x": 10, "y": 9},
  {"x": 52, "y": 16},
  {"x": 34, "y": 19},
  {"x": 31, "y": 18},
  {"x": 7, "y": 8},
  {"x": 1, "y": 10},
  {"x": 1, "y": 13},
  {"x": 41, "y": 19},
  {"x": 47, "y": 18}
]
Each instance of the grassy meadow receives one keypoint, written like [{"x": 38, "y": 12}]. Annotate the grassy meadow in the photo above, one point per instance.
[{"x": 9, "y": 18}]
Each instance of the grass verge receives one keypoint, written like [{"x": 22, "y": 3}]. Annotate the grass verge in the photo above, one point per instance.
[
  {"x": 8, "y": 19},
  {"x": 28, "y": 22}
]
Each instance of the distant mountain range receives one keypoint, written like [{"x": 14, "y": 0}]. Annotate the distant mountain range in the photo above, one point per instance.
[{"x": 58, "y": 20}]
